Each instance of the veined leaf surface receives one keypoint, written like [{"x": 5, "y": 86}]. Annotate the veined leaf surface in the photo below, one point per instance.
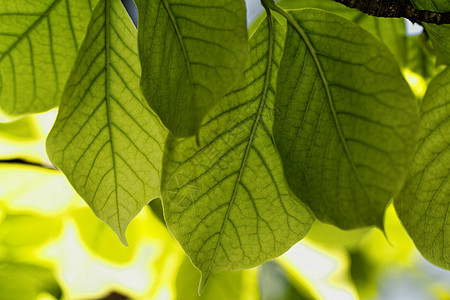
[
  {"x": 389, "y": 30},
  {"x": 439, "y": 34},
  {"x": 192, "y": 52},
  {"x": 440, "y": 38},
  {"x": 424, "y": 206},
  {"x": 39, "y": 42},
  {"x": 227, "y": 203},
  {"x": 105, "y": 139},
  {"x": 345, "y": 119}
]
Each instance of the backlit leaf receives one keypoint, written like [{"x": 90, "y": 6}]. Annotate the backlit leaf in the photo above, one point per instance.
[
  {"x": 23, "y": 129},
  {"x": 424, "y": 205},
  {"x": 27, "y": 281},
  {"x": 389, "y": 30},
  {"x": 191, "y": 54},
  {"x": 418, "y": 57},
  {"x": 439, "y": 34},
  {"x": 28, "y": 230},
  {"x": 345, "y": 119},
  {"x": 227, "y": 203},
  {"x": 39, "y": 41},
  {"x": 440, "y": 38},
  {"x": 105, "y": 139}
]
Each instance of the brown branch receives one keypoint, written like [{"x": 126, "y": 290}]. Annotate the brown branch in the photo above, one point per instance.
[
  {"x": 21, "y": 161},
  {"x": 397, "y": 9}
]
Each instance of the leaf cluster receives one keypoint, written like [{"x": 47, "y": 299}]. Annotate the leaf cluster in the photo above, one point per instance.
[{"x": 247, "y": 136}]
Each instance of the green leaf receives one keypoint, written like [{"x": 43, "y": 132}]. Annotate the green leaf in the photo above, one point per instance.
[
  {"x": 23, "y": 129},
  {"x": 424, "y": 206},
  {"x": 26, "y": 281},
  {"x": 440, "y": 38},
  {"x": 346, "y": 120},
  {"x": 327, "y": 5},
  {"x": 227, "y": 203},
  {"x": 389, "y": 30},
  {"x": 28, "y": 230},
  {"x": 439, "y": 34},
  {"x": 432, "y": 5},
  {"x": 192, "y": 54},
  {"x": 39, "y": 44},
  {"x": 105, "y": 139},
  {"x": 419, "y": 58}
]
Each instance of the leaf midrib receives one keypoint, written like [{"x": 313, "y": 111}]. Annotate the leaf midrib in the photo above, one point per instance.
[
  {"x": 108, "y": 108},
  {"x": 249, "y": 143},
  {"x": 324, "y": 80},
  {"x": 180, "y": 39},
  {"x": 31, "y": 28}
]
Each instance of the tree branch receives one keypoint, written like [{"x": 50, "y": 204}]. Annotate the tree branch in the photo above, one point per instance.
[
  {"x": 21, "y": 161},
  {"x": 397, "y": 9}
]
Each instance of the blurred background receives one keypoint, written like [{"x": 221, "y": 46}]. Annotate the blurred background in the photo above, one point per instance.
[{"x": 53, "y": 247}]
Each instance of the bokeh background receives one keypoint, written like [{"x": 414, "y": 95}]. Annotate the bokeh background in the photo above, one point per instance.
[{"x": 52, "y": 246}]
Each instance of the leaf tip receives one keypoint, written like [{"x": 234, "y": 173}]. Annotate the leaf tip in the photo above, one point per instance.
[
  {"x": 381, "y": 226},
  {"x": 203, "y": 281},
  {"x": 123, "y": 239},
  {"x": 386, "y": 237},
  {"x": 121, "y": 234}
]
